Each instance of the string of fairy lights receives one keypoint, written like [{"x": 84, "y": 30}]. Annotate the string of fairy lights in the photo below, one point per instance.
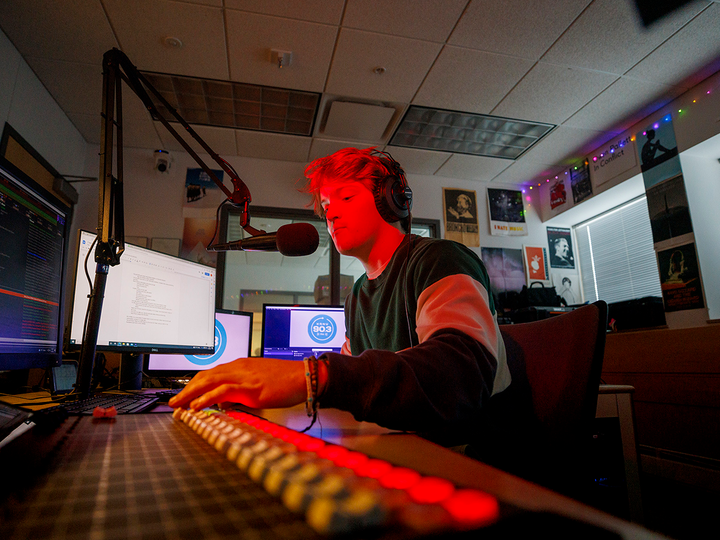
[{"x": 621, "y": 144}]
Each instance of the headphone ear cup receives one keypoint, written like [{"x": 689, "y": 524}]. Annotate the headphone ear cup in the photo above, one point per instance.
[{"x": 393, "y": 199}]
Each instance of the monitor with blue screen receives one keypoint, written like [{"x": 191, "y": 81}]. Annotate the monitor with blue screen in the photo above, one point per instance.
[
  {"x": 233, "y": 333},
  {"x": 293, "y": 332}
]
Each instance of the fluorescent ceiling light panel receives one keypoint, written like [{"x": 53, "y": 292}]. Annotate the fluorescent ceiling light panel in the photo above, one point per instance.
[
  {"x": 467, "y": 133},
  {"x": 236, "y": 105}
]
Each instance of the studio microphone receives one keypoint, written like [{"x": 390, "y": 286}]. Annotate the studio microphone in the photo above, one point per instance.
[{"x": 294, "y": 240}]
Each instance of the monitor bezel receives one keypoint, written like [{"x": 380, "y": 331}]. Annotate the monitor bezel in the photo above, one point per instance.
[
  {"x": 27, "y": 360},
  {"x": 265, "y": 306},
  {"x": 184, "y": 373},
  {"x": 74, "y": 347}
]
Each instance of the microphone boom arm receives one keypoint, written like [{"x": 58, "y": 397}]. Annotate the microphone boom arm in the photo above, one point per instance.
[{"x": 111, "y": 228}]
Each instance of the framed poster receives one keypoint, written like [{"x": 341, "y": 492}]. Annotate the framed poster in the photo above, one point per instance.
[{"x": 561, "y": 249}]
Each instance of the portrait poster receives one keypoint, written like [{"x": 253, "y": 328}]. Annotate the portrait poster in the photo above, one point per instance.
[
  {"x": 580, "y": 182},
  {"x": 558, "y": 194},
  {"x": 680, "y": 278},
  {"x": 505, "y": 269},
  {"x": 201, "y": 191},
  {"x": 461, "y": 216},
  {"x": 567, "y": 286},
  {"x": 658, "y": 152},
  {"x": 669, "y": 209},
  {"x": 536, "y": 263},
  {"x": 561, "y": 248},
  {"x": 506, "y": 212}
]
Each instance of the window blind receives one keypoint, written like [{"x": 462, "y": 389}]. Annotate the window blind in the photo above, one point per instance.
[{"x": 616, "y": 254}]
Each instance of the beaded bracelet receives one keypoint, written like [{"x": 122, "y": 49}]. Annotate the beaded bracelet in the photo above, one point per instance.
[{"x": 311, "y": 382}]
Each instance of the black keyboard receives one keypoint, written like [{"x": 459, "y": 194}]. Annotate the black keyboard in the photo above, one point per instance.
[{"x": 123, "y": 403}]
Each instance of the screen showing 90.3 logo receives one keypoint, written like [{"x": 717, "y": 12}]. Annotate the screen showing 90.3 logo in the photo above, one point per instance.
[{"x": 317, "y": 329}]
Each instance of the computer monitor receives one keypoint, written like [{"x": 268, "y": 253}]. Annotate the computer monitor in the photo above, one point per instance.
[
  {"x": 233, "y": 333},
  {"x": 153, "y": 302},
  {"x": 294, "y": 332},
  {"x": 34, "y": 228}
]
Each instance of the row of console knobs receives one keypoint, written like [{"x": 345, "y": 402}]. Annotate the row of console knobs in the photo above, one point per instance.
[{"x": 338, "y": 490}]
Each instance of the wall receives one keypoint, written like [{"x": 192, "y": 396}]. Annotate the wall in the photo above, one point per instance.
[
  {"x": 695, "y": 121},
  {"x": 28, "y": 107},
  {"x": 153, "y": 202}
]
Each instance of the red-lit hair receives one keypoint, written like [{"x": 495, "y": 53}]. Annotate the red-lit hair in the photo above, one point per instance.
[{"x": 346, "y": 165}]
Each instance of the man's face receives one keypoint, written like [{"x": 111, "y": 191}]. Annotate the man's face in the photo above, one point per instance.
[
  {"x": 352, "y": 218},
  {"x": 561, "y": 248}
]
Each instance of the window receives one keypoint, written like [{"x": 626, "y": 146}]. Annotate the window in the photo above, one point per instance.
[
  {"x": 247, "y": 280},
  {"x": 616, "y": 254}
]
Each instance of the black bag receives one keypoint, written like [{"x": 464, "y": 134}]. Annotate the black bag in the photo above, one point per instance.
[{"x": 539, "y": 296}]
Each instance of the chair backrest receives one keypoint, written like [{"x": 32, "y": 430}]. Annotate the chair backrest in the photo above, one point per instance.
[{"x": 563, "y": 360}]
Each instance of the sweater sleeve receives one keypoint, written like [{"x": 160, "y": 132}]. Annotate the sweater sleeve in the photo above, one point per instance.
[{"x": 441, "y": 384}]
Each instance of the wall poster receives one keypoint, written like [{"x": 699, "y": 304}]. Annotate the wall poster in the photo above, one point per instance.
[
  {"x": 669, "y": 209},
  {"x": 580, "y": 182},
  {"x": 506, "y": 212},
  {"x": 461, "y": 216},
  {"x": 505, "y": 269},
  {"x": 680, "y": 278},
  {"x": 561, "y": 249},
  {"x": 536, "y": 263}
]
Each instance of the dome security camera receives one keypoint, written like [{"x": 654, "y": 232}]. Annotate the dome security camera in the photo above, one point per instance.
[{"x": 162, "y": 161}]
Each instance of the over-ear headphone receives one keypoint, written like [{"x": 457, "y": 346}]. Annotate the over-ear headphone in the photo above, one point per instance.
[{"x": 393, "y": 196}]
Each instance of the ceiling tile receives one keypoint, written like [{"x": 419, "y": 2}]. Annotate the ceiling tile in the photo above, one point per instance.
[
  {"x": 685, "y": 53},
  {"x": 524, "y": 171},
  {"x": 88, "y": 126},
  {"x": 251, "y": 37},
  {"x": 272, "y": 146},
  {"x": 76, "y": 87},
  {"x": 609, "y": 36},
  {"x": 515, "y": 27},
  {"x": 620, "y": 103},
  {"x": 432, "y": 20},
  {"x": 323, "y": 147},
  {"x": 471, "y": 81},
  {"x": 75, "y": 31},
  {"x": 142, "y": 26},
  {"x": 416, "y": 161},
  {"x": 479, "y": 168},
  {"x": 321, "y": 11},
  {"x": 551, "y": 93},
  {"x": 220, "y": 140},
  {"x": 138, "y": 130},
  {"x": 405, "y": 62},
  {"x": 563, "y": 144}
]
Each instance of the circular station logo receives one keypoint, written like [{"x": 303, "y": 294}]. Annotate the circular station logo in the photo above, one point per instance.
[
  {"x": 220, "y": 344},
  {"x": 322, "y": 329}
]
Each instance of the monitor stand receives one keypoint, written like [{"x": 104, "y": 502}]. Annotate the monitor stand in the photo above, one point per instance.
[{"x": 131, "y": 370}]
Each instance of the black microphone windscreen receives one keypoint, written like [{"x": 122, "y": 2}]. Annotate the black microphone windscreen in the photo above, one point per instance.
[{"x": 297, "y": 239}]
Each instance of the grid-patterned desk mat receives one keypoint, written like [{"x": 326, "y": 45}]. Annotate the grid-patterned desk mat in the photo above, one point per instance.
[{"x": 143, "y": 476}]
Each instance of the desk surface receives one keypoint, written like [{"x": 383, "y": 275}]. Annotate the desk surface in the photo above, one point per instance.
[{"x": 101, "y": 460}]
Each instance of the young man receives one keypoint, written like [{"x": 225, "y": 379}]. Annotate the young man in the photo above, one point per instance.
[{"x": 423, "y": 351}]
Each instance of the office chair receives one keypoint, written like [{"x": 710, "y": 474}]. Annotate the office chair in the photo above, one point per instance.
[{"x": 562, "y": 359}]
